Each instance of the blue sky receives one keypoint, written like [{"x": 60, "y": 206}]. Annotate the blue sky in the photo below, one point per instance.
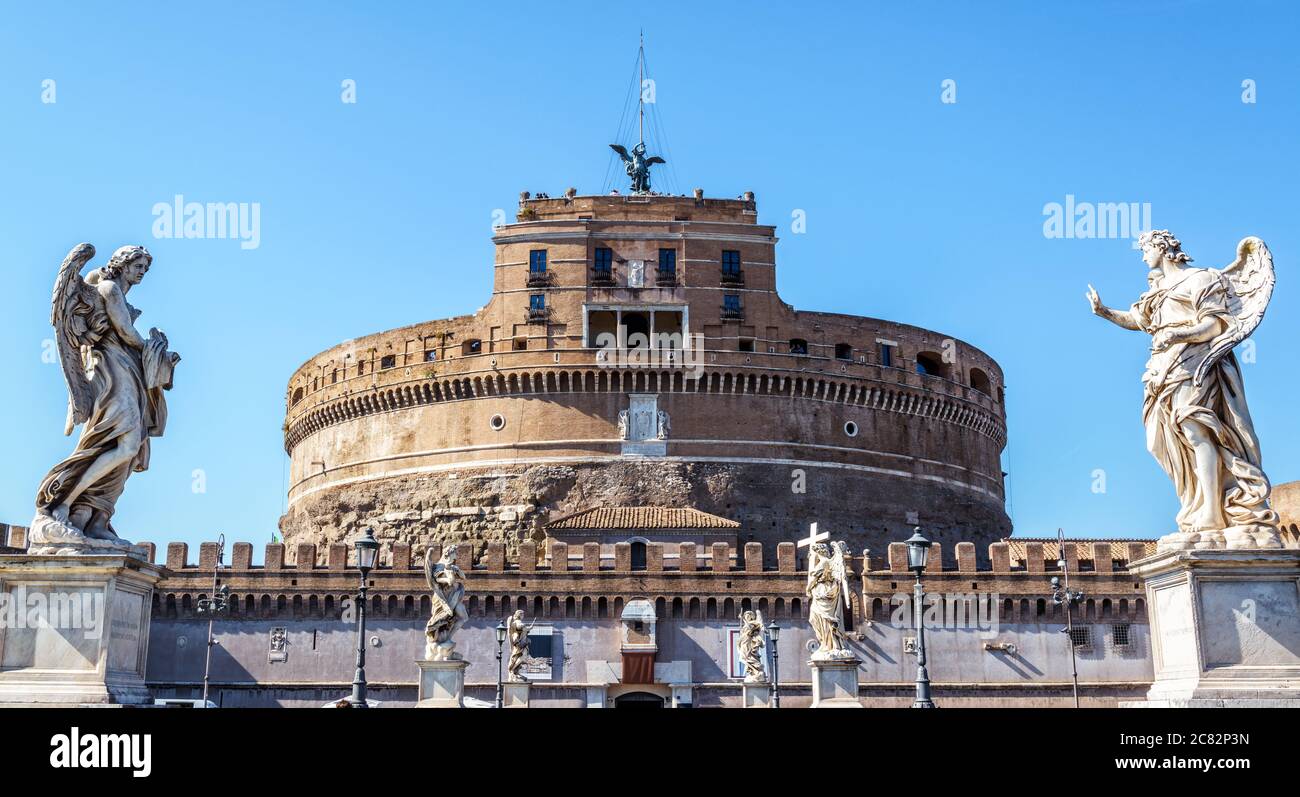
[{"x": 377, "y": 214}]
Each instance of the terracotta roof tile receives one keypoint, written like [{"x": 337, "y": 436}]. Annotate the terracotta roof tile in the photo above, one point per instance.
[
  {"x": 642, "y": 517},
  {"x": 1051, "y": 552}
]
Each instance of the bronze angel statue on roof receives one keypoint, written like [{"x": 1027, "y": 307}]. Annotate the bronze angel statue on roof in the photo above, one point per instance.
[
  {"x": 116, "y": 378},
  {"x": 637, "y": 165},
  {"x": 1194, "y": 407}
]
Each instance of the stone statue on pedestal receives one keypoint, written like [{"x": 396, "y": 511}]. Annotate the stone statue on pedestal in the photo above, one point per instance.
[
  {"x": 1194, "y": 407},
  {"x": 828, "y": 588},
  {"x": 447, "y": 582},
  {"x": 116, "y": 381},
  {"x": 751, "y": 646},
  {"x": 518, "y": 646}
]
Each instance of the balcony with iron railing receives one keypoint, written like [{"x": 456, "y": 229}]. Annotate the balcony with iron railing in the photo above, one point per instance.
[
  {"x": 733, "y": 313},
  {"x": 539, "y": 279},
  {"x": 666, "y": 278},
  {"x": 602, "y": 277},
  {"x": 539, "y": 315},
  {"x": 733, "y": 278}
]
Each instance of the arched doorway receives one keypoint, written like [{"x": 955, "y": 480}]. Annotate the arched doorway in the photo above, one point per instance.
[{"x": 638, "y": 700}]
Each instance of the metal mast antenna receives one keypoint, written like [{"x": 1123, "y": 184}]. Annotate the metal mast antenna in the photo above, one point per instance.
[{"x": 640, "y": 90}]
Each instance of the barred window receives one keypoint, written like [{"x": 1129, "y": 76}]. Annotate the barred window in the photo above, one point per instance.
[
  {"x": 1119, "y": 635},
  {"x": 1081, "y": 637}
]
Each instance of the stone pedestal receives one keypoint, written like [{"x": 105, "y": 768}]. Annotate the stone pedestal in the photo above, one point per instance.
[
  {"x": 515, "y": 694},
  {"x": 442, "y": 684},
  {"x": 835, "y": 683},
  {"x": 756, "y": 695},
  {"x": 1225, "y": 628},
  {"x": 74, "y": 629}
]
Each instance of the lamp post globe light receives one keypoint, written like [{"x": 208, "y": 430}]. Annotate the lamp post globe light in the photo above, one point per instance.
[
  {"x": 501, "y": 639},
  {"x": 367, "y": 548},
  {"x": 217, "y": 604},
  {"x": 774, "y": 634},
  {"x": 918, "y": 554},
  {"x": 1063, "y": 594}
]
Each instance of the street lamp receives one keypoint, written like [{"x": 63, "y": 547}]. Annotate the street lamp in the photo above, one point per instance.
[
  {"x": 501, "y": 639},
  {"x": 367, "y": 549},
  {"x": 918, "y": 553},
  {"x": 774, "y": 634},
  {"x": 1062, "y": 594},
  {"x": 217, "y": 604}
]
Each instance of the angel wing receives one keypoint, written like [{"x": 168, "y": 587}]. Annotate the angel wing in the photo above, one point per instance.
[
  {"x": 621, "y": 150},
  {"x": 1250, "y": 279},
  {"x": 76, "y": 324},
  {"x": 653, "y": 160},
  {"x": 839, "y": 568}
]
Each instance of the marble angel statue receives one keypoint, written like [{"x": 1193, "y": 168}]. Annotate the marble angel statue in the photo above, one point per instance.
[
  {"x": 751, "y": 646},
  {"x": 518, "y": 646},
  {"x": 828, "y": 588},
  {"x": 447, "y": 582},
  {"x": 116, "y": 380},
  {"x": 1198, "y": 426}
]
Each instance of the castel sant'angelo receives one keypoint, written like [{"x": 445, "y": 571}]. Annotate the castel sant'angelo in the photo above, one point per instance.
[{"x": 636, "y": 377}]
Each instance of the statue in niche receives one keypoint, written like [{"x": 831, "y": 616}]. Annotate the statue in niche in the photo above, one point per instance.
[
  {"x": 828, "y": 589},
  {"x": 116, "y": 380},
  {"x": 447, "y": 582},
  {"x": 1198, "y": 426},
  {"x": 751, "y": 646}
]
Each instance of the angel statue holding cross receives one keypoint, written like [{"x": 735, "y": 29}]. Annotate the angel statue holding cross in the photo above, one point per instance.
[
  {"x": 116, "y": 378},
  {"x": 828, "y": 587},
  {"x": 1198, "y": 426}
]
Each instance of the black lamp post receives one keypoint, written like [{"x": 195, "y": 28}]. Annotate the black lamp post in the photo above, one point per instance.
[
  {"x": 918, "y": 553},
  {"x": 217, "y": 604},
  {"x": 1062, "y": 594},
  {"x": 367, "y": 549},
  {"x": 774, "y": 634},
  {"x": 501, "y": 639}
]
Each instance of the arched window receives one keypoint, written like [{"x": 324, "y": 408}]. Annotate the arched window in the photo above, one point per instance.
[
  {"x": 297, "y": 395},
  {"x": 929, "y": 364},
  {"x": 980, "y": 381}
]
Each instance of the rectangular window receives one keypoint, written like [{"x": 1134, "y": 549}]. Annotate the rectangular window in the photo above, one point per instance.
[
  {"x": 388, "y": 361},
  {"x": 1119, "y": 635},
  {"x": 731, "y": 302},
  {"x": 537, "y": 301},
  {"x": 730, "y": 261},
  {"x": 604, "y": 260},
  {"x": 431, "y": 355},
  {"x": 537, "y": 261},
  {"x": 1081, "y": 637},
  {"x": 521, "y": 344},
  {"x": 668, "y": 261},
  {"x": 745, "y": 344},
  {"x": 886, "y": 355}
]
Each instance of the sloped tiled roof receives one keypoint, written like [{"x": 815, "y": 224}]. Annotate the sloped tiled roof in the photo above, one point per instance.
[
  {"x": 1052, "y": 552},
  {"x": 642, "y": 517}
]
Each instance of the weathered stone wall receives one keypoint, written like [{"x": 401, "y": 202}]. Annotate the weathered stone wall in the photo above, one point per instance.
[{"x": 512, "y": 504}]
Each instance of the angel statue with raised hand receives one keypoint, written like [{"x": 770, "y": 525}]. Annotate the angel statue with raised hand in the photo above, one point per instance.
[
  {"x": 751, "y": 645},
  {"x": 828, "y": 588},
  {"x": 518, "y": 646},
  {"x": 637, "y": 165},
  {"x": 447, "y": 582},
  {"x": 116, "y": 378},
  {"x": 1194, "y": 407}
]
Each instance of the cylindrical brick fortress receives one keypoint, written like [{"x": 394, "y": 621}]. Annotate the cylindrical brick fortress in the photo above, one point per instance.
[{"x": 635, "y": 353}]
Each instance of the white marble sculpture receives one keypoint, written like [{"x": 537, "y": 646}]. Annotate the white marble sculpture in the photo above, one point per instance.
[
  {"x": 116, "y": 378},
  {"x": 828, "y": 589},
  {"x": 663, "y": 426},
  {"x": 1194, "y": 408},
  {"x": 751, "y": 646},
  {"x": 447, "y": 582},
  {"x": 623, "y": 423},
  {"x": 518, "y": 646}
]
